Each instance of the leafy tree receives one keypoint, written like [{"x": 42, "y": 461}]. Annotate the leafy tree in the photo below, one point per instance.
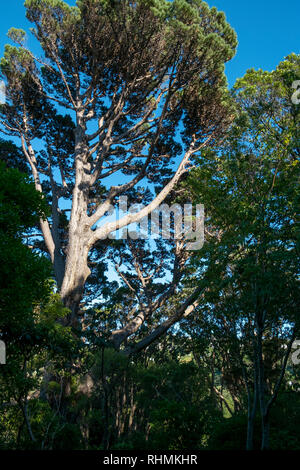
[
  {"x": 161, "y": 402},
  {"x": 251, "y": 191},
  {"x": 122, "y": 89},
  {"x": 130, "y": 99},
  {"x": 21, "y": 206},
  {"x": 28, "y": 316}
]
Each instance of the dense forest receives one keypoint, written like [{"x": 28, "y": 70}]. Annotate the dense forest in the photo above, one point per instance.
[{"x": 117, "y": 340}]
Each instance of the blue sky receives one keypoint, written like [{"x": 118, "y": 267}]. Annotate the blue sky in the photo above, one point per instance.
[{"x": 267, "y": 30}]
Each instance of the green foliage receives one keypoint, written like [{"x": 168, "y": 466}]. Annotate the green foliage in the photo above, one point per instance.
[
  {"x": 285, "y": 422},
  {"x": 21, "y": 204},
  {"x": 229, "y": 434},
  {"x": 65, "y": 389},
  {"x": 250, "y": 188},
  {"x": 20, "y": 208},
  {"x": 28, "y": 312},
  {"x": 164, "y": 406}
]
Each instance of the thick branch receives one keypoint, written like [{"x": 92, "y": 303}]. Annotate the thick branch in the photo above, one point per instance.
[{"x": 186, "y": 309}]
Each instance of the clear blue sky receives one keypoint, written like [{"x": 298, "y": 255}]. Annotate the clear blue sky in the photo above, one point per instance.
[{"x": 267, "y": 30}]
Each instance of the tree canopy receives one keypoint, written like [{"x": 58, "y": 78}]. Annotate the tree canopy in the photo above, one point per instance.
[{"x": 116, "y": 341}]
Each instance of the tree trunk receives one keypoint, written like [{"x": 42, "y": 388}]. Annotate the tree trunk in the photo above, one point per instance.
[
  {"x": 252, "y": 405},
  {"x": 265, "y": 439},
  {"x": 76, "y": 269},
  {"x": 261, "y": 391},
  {"x": 250, "y": 424},
  {"x": 76, "y": 274}
]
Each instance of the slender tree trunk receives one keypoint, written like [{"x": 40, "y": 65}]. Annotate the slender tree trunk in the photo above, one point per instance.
[
  {"x": 265, "y": 439},
  {"x": 252, "y": 403},
  {"x": 265, "y": 426},
  {"x": 27, "y": 421},
  {"x": 106, "y": 433},
  {"x": 251, "y": 420}
]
